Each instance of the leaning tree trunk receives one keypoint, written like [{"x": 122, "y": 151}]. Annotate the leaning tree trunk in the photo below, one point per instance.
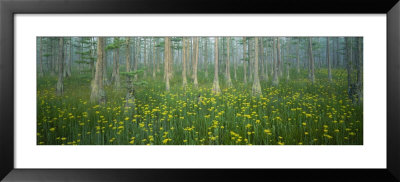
[
  {"x": 328, "y": 60},
  {"x": 184, "y": 62},
  {"x": 275, "y": 55},
  {"x": 256, "y": 90},
  {"x": 98, "y": 95},
  {"x": 167, "y": 53},
  {"x": 310, "y": 54},
  {"x": 215, "y": 88},
  {"x": 196, "y": 61},
  {"x": 228, "y": 73},
  {"x": 60, "y": 83}
]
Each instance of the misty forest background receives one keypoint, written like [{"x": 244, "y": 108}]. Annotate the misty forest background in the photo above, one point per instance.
[{"x": 199, "y": 90}]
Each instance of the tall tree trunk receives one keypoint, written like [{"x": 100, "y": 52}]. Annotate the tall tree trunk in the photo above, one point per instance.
[
  {"x": 287, "y": 60},
  {"x": 98, "y": 95},
  {"x": 337, "y": 53},
  {"x": 256, "y": 90},
  {"x": 184, "y": 62},
  {"x": 60, "y": 83},
  {"x": 69, "y": 69},
  {"x": 145, "y": 58},
  {"x": 206, "y": 58},
  {"x": 348, "y": 65},
  {"x": 92, "y": 56},
  {"x": 276, "y": 58},
  {"x": 235, "y": 56},
  {"x": 154, "y": 58},
  {"x": 298, "y": 55},
  {"x": 244, "y": 60},
  {"x": 310, "y": 53},
  {"x": 359, "y": 67},
  {"x": 137, "y": 57},
  {"x": 158, "y": 55},
  {"x": 105, "y": 77},
  {"x": 215, "y": 88},
  {"x": 261, "y": 56},
  {"x": 115, "y": 75},
  {"x": 196, "y": 61},
  {"x": 41, "y": 73},
  {"x": 328, "y": 60},
  {"x": 228, "y": 73},
  {"x": 251, "y": 59},
  {"x": 128, "y": 55},
  {"x": 167, "y": 53},
  {"x": 278, "y": 46},
  {"x": 266, "y": 61}
]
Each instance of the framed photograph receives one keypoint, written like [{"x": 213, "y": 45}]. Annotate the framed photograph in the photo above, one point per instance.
[{"x": 146, "y": 91}]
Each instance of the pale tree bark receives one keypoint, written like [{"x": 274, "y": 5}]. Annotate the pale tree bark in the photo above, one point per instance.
[
  {"x": 145, "y": 58},
  {"x": 115, "y": 74},
  {"x": 287, "y": 59},
  {"x": 359, "y": 68},
  {"x": 98, "y": 94},
  {"x": 41, "y": 73},
  {"x": 215, "y": 88},
  {"x": 158, "y": 55},
  {"x": 244, "y": 60},
  {"x": 251, "y": 64},
  {"x": 154, "y": 58},
  {"x": 105, "y": 77},
  {"x": 261, "y": 56},
  {"x": 328, "y": 60},
  {"x": 279, "y": 57},
  {"x": 167, "y": 53},
  {"x": 310, "y": 54},
  {"x": 228, "y": 72},
  {"x": 256, "y": 89},
  {"x": 69, "y": 68},
  {"x": 275, "y": 65},
  {"x": 92, "y": 56},
  {"x": 137, "y": 57},
  {"x": 348, "y": 67},
  {"x": 60, "y": 82},
  {"x": 206, "y": 58},
  {"x": 266, "y": 61},
  {"x": 184, "y": 62},
  {"x": 235, "y": 57},
  {"x": 196, "y": 61},
  {"x": 298, "y": 55},
  {"x": 128, "y": 55}
]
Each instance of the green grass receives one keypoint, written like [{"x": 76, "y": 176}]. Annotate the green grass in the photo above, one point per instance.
[{"x": 295, "y": 112}]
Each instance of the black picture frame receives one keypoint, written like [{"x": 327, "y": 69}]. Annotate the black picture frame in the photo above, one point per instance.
[{"x": 8, "y": 8}]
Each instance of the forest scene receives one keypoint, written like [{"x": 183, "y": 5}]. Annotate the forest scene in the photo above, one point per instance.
[{"x": 199, "y": 90}]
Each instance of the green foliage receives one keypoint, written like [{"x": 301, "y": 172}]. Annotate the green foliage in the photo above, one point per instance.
[{"x": 132, "y": 73}]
